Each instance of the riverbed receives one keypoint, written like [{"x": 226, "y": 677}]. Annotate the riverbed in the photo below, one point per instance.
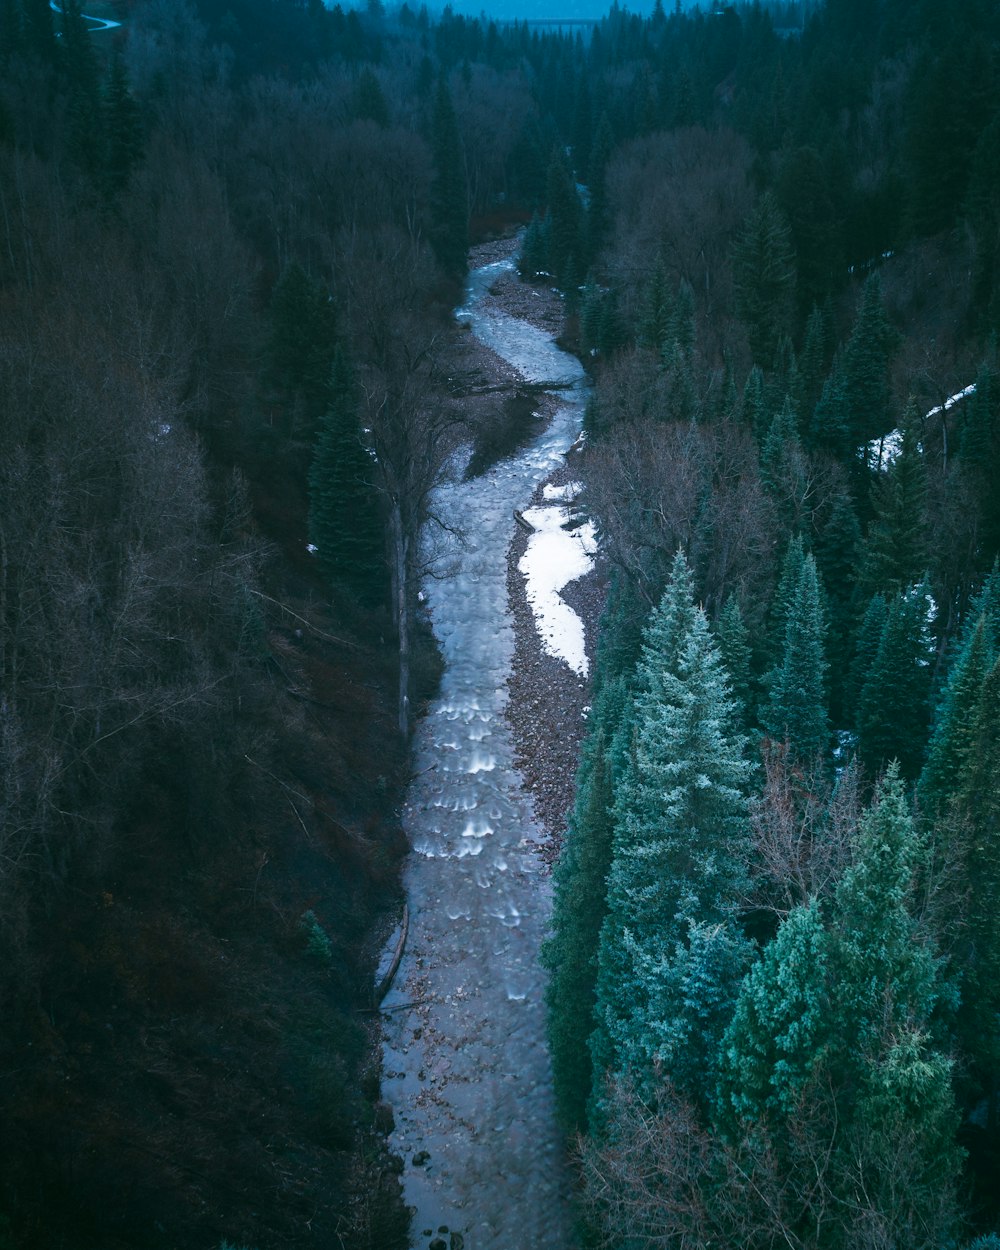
[{"x": 465, "y": 1064}]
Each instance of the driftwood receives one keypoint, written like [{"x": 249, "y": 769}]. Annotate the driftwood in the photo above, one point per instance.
[
  {"x": 385, "y": 984},
  {"x": 524, "y": 524}
]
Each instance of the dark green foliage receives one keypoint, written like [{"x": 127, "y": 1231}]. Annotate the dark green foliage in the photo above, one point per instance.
[
  {"x": 579, "y": 908},
  {"x": 300, "y": 351},
  {"x": 533, "y": 260},
  {"x": 344, "y": 521},
  {"x": 838, "y": 550},
  {"x": 893, "y": 704},
  {"x": 734, "y": 647},
  {"x": 796, "y": 708},
  {"x": 86, "y": 132},
  {"x": 449, "y": 192},
  {"x": 866, "y": 361},
  {"x": 897, "y": 547},
  {"x": 764, "y": 277},
  {"x": 370, "y": 103},
  {"x": 835, "y": 1029},
  {"x": 955, "y": 724},
  {"x": 123, "y": 128},
  {"x": 670, "y": 959},
  {"x": 567, "y": 233}
]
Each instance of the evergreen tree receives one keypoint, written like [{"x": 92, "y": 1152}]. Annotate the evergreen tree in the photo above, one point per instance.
[
  {"x": 449, "y": 193},
  {"x": 123, "y": 127},
  {"x": 764, "y": 274},
  {"x": 796, "y": 709},
  {"x": 754, "y": 409},
  {"x": 830, "y": 427},
  {"x": 566, "y": 232},
  {"x": 579, "y": 908},
  {"x": 86, "y": 131},
  {"x": 597, "y": 168},
  {"x": 783, "y": 468},
  {"x": 669, "y": 958},
  {"x": 977, "y": 800},
  {"x": 782, "y": 604},
  {"x": 781, "y": 1029},
  {"x": 893, "y": 706},
  {"x": 949, "y": 754},
  {"x": 838, "y": 546},
  {"x": 300, "y": 350},
  {"x": 885, "y": 993},
  {"x": 835, "y": 1030},
  {"x": 344, "y": 523},
  {"x": 865, "y": 649},
  {"x": 734, "y": 647},
  {"x": 897, "y": 548},
  {"x": 534, "y": 258},
  {"x": 813, "y": 360},
  {"x": 370, "y": 103},
  {"x": 866, "y": 361}
]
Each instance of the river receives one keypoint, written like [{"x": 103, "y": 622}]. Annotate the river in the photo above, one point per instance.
[{"x": 466, "y": 1067}]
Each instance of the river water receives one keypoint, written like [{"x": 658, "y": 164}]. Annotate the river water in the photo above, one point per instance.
[{"x": 466, "y": 1068}]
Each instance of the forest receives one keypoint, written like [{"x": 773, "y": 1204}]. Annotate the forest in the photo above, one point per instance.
[{"x": 231, "y": 238}]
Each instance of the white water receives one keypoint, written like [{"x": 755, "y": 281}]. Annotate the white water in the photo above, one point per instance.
[{"x": 466, "y": 1068}]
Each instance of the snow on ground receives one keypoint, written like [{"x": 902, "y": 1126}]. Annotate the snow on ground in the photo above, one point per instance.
[
  {"x": 554, "y": 558},
  {"x": 883, "y": 451}
]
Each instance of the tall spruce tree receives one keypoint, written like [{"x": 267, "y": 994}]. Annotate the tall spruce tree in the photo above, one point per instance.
[
  {"x": 670, "y": 957},
  {"x": 780, "y": 1031},
  {"x": 894, "y": 703},
  {"x": 579, "y": 909},
  {"x": 897, "y": 547},
  {"x": 449, "y": 192},
  {"x": 344, "y": 522},
  {"x": 796, "y": 710},
  {"x": 866, "y": 361},
  {"x": 764, "y": 275}
]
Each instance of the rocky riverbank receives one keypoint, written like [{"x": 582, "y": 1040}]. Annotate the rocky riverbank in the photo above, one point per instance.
[{"x": 548, "y": 702}]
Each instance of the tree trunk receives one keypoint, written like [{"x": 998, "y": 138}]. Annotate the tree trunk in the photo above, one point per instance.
[{"x": 399, "y": 541}]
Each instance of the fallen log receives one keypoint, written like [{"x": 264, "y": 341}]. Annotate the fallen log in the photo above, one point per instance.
[
  {"x": 524, "y": 524},
  {"x": 385, "y": 984}
]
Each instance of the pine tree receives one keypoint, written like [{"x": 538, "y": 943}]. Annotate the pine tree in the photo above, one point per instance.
[
  {"x": 897, "y": 549},
  {"x": 370, "y": 103},
  {"x": 449, "y": 193},
  {"x": 813, "y": 359},
  {"x": 754, "y": 410},
  {"x": 764, "y": 275},
  {"x": 579, "y": 908},
  {"x": 123, "y": 127},
  {"x": 830, "y": 426},
  {"x": 783, "y": 601},
  {"x": 780, "y": 1030},
  {"x": 300, "y": 350},
  {"x": 597, "y": 168},
  {"x": 894, "y": 703},
  {"x": 796, "y": 708},
  {"x": 952, "y": 740},
  {"x": 866, "y": 361},
  {"x": 534, "y": 258},
  {"x": 734, "y": 647},
  {"x": 679, "y": 853},
  {"x": 86, "y": 131},
  {"x": 567, "y": 235},
  {"x": 344, "y": 523},
  {"x": 838, "y": 546}
]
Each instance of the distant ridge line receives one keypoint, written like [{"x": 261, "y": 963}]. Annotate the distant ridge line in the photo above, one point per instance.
[{"x": 555, "y": 21}]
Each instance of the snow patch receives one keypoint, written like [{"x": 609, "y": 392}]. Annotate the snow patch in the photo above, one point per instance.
[{"x": 555, "y": 557}]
